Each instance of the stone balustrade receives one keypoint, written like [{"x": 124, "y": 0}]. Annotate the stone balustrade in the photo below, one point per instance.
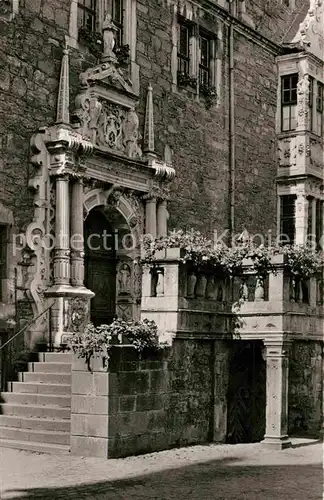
[
  {"x": 289, "y": 305},
  {"x": 185, "y": 300}
]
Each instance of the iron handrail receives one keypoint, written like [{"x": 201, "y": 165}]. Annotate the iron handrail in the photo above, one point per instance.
[{"x": 26, "y": 326}]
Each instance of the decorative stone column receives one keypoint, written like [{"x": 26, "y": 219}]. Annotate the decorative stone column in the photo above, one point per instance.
[
  {"x": 62, "y": 233},
  {"x": 277, "y": 357},
  {"x": 77, "y": 237},
  {"x": 150, "y": 217},
  {"x": 162, "y": 218},
  {"x": 303, "y": 102},
  {"x": 301, "y": 217}
]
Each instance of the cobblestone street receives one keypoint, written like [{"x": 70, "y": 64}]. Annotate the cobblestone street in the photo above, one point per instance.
[{"x": 237, "y": 472}]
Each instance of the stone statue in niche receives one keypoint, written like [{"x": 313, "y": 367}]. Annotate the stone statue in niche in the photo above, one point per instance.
[
  {"x": 124, "y": 279},
  {"x": 109, "y": 31},
  {"x": 131, "y": 135}
]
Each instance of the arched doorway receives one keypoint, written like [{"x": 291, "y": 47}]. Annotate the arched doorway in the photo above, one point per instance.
[{"x": 100, "y": 266}]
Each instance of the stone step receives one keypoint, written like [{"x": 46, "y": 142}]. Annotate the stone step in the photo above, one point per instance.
[
  {"x": 38, "y": 388},
  {"x": 47, "y": 367},
  {"x": 35, "y": 411},
  {"x": 34, "y": 423},
  {"x": 38, "y": 447},
  {"x": 55, "y": 357},
  {"x": 36, "y": 399},
  {"x": 45, "y": 378},
  {"x": 35, "y": 436}
]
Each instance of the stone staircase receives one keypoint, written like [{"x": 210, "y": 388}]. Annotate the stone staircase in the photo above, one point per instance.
[{"x": 35, "y": 413}]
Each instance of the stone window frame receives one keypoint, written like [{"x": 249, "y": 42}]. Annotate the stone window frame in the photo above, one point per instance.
[
  {"x": 129, "y": 32},
  {"x": 90, "y": 10},
  {"x": 216, "y": 51},
  {"x": 282, "y": 198},
  {"x": 103, "y": 6},
  {"x": 290, "y": 104}
]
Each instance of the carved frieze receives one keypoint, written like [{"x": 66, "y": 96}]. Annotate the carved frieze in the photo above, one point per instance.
[
  {"x": 316, "y": 154},
  {"x": 76, "y": 314},
  {"x": 287, "y": 152},
  {"x": 303, "y": 102},
  {"x": 310, "y": 33},
  {"x": 109, "y": 125}
]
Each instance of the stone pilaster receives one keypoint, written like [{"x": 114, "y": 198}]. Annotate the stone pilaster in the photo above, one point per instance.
[
  {"x": 301, "y": 217},
  {"x": 303, "y": 103},
  {"x": 162, "y": 219},
  {"x": 62, "y": 233},
  {"x": 277, "y": 356},
  {"x": 220, "y": 388},
  {"x": 77, "y": 237},
  {"x": 150, "y": 217}
]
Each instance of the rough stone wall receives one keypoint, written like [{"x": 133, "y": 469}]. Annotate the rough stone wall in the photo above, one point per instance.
[
  {"x": 305, "y": 388},
  {"x": 255, "y": 80},
  {"x": 30, "y": 54},
  {"x": 149, "y": 404},
  {"x": 199, "y": 138},
  {"x": 273, "y": 18}
]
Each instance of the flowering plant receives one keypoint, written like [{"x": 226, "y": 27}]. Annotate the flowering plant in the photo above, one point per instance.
[
  {"x": 302, "y": 261},
  {"x": 100, "y": 339},
  {"x": 210, "y": 94},
  {"x": 202, "y": 252}
]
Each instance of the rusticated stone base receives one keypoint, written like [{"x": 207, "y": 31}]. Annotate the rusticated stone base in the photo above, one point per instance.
[
  {"x": 276, "y": 443},
  {"x": 149, "y": 403}
]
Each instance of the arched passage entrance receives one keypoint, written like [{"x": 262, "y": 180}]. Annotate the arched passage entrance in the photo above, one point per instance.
[{"x": 100, "y": 266}]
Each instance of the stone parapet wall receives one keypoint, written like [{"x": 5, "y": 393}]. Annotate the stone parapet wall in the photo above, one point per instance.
[{"x": 150, "y": 403}]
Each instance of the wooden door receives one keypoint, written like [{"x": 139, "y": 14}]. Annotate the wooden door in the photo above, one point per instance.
[
  {"x": 100, "y": 267},
  {"x": 246, "y": 393}
]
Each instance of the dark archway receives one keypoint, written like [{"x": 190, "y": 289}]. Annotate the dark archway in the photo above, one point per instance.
[
  {"x": 100, "y": 266},
  {"x": 246, "y": 410}
]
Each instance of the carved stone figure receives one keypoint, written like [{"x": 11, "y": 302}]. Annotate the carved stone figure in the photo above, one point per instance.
[
  {"x": 124, "y": 279},
  {"x": 131, "y": 135},
  {"x": 303, "y": 101},
  {"x": 110, "y": 127},
  {"x": 109, "y": 30}
]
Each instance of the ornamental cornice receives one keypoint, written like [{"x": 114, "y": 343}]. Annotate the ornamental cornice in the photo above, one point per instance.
[
  {"x": 163, "y": 171},
  {"x": 67, "y": 150},
  {"x": 65, "y": 139}
]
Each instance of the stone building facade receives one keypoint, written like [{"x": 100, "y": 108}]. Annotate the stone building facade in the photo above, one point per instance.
[{"x": 134, "y": 116}]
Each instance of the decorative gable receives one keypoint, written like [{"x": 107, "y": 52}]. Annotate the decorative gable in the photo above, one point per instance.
[{"x": 311, "y": 31}]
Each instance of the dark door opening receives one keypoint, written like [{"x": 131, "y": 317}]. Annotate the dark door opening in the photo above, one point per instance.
[
  {"x": 246, "y": 401},
  {"x": 100, "y": 267}
]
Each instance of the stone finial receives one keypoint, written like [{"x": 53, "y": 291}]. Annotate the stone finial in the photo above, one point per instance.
[
  {"x": 109, "y": 39},
  {"x": 63, "y": 100},
  {"x": 149, "y": 147}
]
